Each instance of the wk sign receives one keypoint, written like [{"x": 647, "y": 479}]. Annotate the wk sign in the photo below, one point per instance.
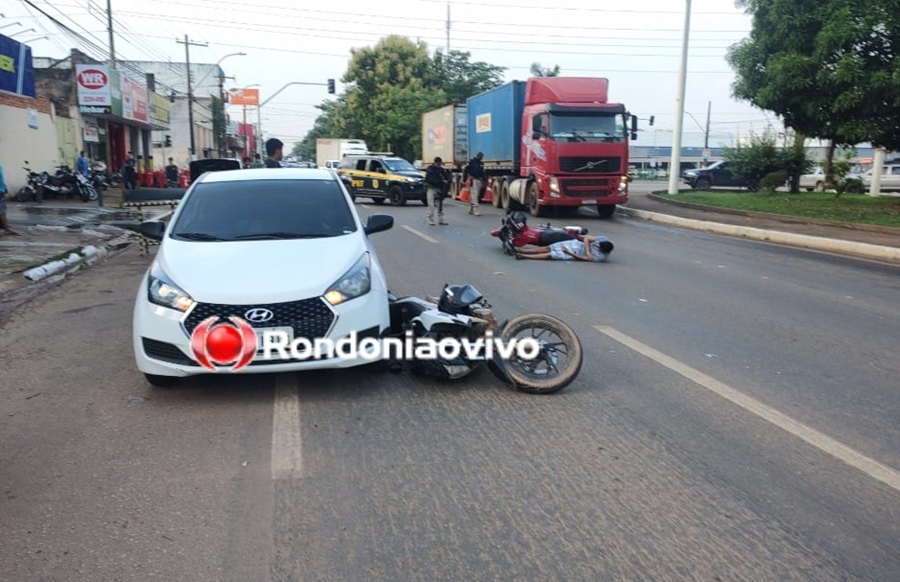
[{"x": 93, "y": 85}]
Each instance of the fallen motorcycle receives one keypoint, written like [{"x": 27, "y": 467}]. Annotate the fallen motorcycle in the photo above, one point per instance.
[
  {"x": 515, "y": 232},
  {"x": 462, "y": 314}
]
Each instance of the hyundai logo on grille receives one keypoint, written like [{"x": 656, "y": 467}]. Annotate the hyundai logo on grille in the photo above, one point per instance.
[{"x": 258, "y": 315}]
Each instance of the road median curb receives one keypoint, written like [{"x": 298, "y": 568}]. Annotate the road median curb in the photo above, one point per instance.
[{"x": 878, "y": 252}]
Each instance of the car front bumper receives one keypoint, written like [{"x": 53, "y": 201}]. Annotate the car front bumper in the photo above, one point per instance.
[{"x": 162, "y": 344}]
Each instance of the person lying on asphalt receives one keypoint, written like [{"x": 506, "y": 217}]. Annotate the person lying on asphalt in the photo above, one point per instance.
[{"x": 593, "y": 248}]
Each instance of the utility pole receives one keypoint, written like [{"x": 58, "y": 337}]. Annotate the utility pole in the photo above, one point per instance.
[
  {"x": 706, "y": 136},
  {"x": 112, "y": 44},
  {"x": 190, "y": 93},
  {"x": 675, "y": 163},
  {"x": 448, "y": 28}
]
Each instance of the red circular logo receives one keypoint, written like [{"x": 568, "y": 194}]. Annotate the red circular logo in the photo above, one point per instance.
[
  {"x": 217, "y": 343},
  {"x": 92, "y": 79}
]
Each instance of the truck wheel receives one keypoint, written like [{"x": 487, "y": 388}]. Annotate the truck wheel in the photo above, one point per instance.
[
  {"x": 505, "y": 201},
  {"x": 703, "y": 184},
  {"x": 533, "y": 207},
  {"x": 606, "y": 210},
  {"x": 398, "y": 198},
  {"x": 497, "y": 193}
]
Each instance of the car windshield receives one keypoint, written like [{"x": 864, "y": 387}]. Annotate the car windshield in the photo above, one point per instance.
[
  {"x": 399, "y": 165},
  {"x": 264, "y": 209},
  {"x": 595, "y": 127}
]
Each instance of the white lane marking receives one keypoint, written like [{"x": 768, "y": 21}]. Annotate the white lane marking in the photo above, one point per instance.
[
  {"x": 421, "y": 234},
  {"x": 817, "y": 439},
  {"x": 286, "y": 445}
]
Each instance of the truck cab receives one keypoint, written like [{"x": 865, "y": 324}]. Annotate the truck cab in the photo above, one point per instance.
[{"x": 574, "y": 145}]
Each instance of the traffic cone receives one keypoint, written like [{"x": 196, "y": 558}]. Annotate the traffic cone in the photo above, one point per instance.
[
  {"x": 464, "y": 194},
  {"x": 488, "y": 194}
]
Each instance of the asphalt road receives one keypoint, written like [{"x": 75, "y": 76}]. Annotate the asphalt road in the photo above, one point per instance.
[{"x": 736, "y": 419}]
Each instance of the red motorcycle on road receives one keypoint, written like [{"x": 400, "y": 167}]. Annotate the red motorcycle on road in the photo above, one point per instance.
[{"x": 515, "y": 232}]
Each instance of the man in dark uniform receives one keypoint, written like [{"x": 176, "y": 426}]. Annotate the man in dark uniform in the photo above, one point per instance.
[{"x": 273, "y": 152}]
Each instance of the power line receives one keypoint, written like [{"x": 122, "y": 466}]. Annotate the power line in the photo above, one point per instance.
[
  {"x": 367, "y": 19},
  {"x": 291, "y": 31}
]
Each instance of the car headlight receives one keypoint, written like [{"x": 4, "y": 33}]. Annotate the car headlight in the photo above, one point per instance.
[
  {"x": 690, "y": 174},
  {"x": 623, "y": 183},
  {"x": 162, "y": 291},
  {"x": 554, "y": 185},
  {"x": 355, "y": 283}
]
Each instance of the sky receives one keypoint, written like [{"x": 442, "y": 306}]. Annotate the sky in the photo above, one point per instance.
[{"x": 636, "y": 45}]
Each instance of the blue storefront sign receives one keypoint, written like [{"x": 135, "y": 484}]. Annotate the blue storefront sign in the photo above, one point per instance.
[{"x": 16, "y": 67}]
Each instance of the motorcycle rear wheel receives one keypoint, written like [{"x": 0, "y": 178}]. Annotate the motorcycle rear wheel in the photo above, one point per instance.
[{"x": 542, "y": 375}]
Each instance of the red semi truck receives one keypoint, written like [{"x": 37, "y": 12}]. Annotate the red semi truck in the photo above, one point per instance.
[{"x": 548, "y": 142}]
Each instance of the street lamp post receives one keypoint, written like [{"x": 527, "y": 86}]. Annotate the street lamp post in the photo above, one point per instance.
[
  {"x": 275, "y": 94},
  {"x": 675, "y": 163},
  {"x": 199, "y": 84}
]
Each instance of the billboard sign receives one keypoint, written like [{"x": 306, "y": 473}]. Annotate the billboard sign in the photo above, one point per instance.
[
  {"x": 134, "y": 100},
  {"x": 244, "y": 97},
  {"x": 159, "y": 109},
  {"x": 93, "y": 88},
  {"x": 16, "y": 67}
]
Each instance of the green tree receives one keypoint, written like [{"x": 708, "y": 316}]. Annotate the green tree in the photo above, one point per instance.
[
  {"x": 460, "y": 78},
  {"x": 388, "y": 88},
  {"x": 827, "y": 68},
  {"x": 326, "y": 126},
  {"x": 538, "y": 71}
]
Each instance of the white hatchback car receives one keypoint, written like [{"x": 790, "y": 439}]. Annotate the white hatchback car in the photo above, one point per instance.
[{"x": 275, "y": 248}]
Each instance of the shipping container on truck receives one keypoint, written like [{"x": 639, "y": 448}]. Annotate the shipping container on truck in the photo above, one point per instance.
[
  {"x": 552, "y": 142},
  {"x": 445, "y": 135}
]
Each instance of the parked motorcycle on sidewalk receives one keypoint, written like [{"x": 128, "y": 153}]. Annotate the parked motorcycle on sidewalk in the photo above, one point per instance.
[
  {"x": 515, "y": 232},
  {"x": 86, "y": 189},
  {"x": 60, "y": 184},
  {"x": 462, "y": 314},
  {"x": 32, "y": 190}
]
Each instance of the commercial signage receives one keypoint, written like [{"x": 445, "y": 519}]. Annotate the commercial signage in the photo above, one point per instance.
[
  {"x": 91, "y": 134},
  {"x": 134, "y": 100},
  {"x": 244, "y": 97},
  {"x": 94, "y": 88},
  {"x": 159, "y": 109},
  {"x": 16, "y": 67}
]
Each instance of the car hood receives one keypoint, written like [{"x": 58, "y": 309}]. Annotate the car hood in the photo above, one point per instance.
[
  {"x": 410, "y": 174},
  {"x": 264, "y": 271}
]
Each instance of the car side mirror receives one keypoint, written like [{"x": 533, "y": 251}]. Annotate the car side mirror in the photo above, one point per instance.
[
  {"x": 153, "y": 229},
  {"x": 537, "y": 135},
  {"x": 634, "y": 127},
  {"x": 536, "y": 124},
  {"x": 379, "y": 223}
]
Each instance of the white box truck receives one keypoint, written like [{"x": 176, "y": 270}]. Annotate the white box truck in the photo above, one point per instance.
[{"x": 330, "y": 151}]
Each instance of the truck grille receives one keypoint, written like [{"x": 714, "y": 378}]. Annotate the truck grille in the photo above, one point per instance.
[
  {"x": 581, "y": 188},
  {"x": 582, "y": 164},
  {"x": 310, "y": 318}
]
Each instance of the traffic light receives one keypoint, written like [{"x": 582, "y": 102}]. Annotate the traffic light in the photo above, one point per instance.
[
  {"x": 172, "y": 97},
  {"x": 331, "y": 86},
  {"x": 652, "y": 118},
  {"x": 168, "y": 140}
]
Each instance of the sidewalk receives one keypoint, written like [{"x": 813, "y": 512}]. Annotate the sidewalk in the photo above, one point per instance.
[{"x": 855, "y": 238}]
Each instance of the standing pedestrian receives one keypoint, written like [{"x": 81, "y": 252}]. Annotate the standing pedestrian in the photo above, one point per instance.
[
  {"x": 475, "y": 170},
  {"x": 83, "y": 167},
  {"x": 4, "y": 222},
  {"x": 129, "y": 173},
  {"x": 172, "y": 174},
  {"x": 436, "y": 179},
  {"x": 257, "y": 162},
  {"x": 273, "y": 152}
]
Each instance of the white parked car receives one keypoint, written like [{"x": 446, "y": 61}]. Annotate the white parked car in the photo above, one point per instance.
[
  {"x": 815, "y": 180},
  {"x": 278, "y": 248}
]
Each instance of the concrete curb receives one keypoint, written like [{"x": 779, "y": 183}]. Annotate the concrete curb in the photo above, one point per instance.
[
  {"x": 779, "y": 217},
  {"x": 859, "y": 249},
  {"x": 53, "y": 273}
]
